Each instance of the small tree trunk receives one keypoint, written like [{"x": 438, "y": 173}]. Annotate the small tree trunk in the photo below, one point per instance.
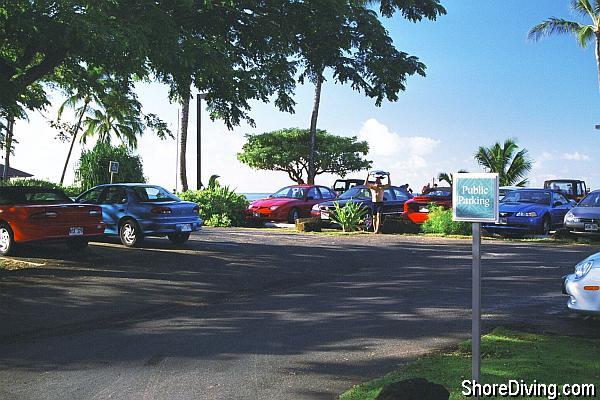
[
  {"x": 75, "y": 131},
  {"x": 8, "y": 146},
  {"x": 313, "y": 131},
  {"x": 185, "y": 114},
  {"x": 598, "y": 56}
]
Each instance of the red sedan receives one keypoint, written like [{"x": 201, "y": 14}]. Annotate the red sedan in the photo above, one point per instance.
[
  {"x": 289, "y": 203},
  {"x": 29, "y": 214},
  {"x": 417, "y": 208}
]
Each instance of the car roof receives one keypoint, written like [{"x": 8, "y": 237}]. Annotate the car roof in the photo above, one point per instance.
[
  {"x": 126, "y": 184},
  {"x": 28, "y": 188}
]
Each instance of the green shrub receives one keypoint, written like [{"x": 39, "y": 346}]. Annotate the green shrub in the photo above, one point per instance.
[
  {"x": 93, "y": 166},
  {"x": 219, "y": 202},
  {"x": 70, "y": 191},
  {"x": 440, "y": 222},
  {"x": 219, "y": 220},
  {"x": 350, "y": 217}
]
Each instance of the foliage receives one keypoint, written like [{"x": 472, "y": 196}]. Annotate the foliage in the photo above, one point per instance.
[
  {"x": 219, "y": 220},
  {"x": 440, "y": 222},
  {"x": 287, "y": 150},
  {"x": 219, "y": 205},
  {"x": 511, "y": 165},
  {"x": 350, "y": 217},
  {"x": 448, "y": 178},
  {"x": 71, "y": 191},
  {"x": 93, "y": 166},
  {"x": 507, "y": 355}
]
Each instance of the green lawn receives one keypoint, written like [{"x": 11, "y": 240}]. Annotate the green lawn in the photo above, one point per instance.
[{"x": 506, "y": 355}]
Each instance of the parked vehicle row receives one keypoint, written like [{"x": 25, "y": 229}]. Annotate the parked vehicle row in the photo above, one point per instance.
[{"x": 129, "y": 211}]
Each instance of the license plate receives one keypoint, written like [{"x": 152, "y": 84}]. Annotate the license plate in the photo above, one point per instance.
[
  {"x": 186, "y": 228},
  {"x": 503, "y": 221},
  {"x": 76, "y": 231},
  {"x": 591, "y": 227},
  {"x": 324, "y": 215}
]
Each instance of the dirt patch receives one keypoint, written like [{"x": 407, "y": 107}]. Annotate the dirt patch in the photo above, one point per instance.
[{"x": 12, "y": 264}]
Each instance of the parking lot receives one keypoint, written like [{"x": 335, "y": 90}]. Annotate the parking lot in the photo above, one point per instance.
[{"x": 258, "y": 314}]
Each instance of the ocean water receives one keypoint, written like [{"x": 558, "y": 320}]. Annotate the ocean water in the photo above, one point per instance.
[{"x": 256, "y": 196}]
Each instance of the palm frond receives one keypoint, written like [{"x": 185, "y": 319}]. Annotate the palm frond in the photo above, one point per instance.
[
  {"x": 553, "y": 25},
  {"x": 585, "y": 35},
  {"x": 583, "y": 7}
]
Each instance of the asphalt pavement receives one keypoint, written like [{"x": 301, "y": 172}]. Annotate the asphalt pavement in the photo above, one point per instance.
[{"x": 259, "y": 314}]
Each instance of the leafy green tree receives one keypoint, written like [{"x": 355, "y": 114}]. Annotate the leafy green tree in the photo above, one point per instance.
[
  {"x": 507, "y": 160},
  {"x": 584, "y": 33},
  {"x": 448, "y": 178},
  {"x": 347, "y": 37},
  {"x": 288, "y": 150},
  {"x": 93, "y": 165}
]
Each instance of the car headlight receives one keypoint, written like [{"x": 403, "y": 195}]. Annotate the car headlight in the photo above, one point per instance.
[
  {"x": 583, "y": 268},
  {"x": 315, "y": 207},
  {"x": 273, "y": 208},
  {"x": 250, "y": 206},
  {"x": 570, "y": 217},
  {"x": 530, "y": 214}
]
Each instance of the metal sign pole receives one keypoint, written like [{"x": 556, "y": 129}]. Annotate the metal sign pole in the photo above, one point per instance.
[
  {"x": 112, "y": 176},
  {"x": 476, "y": 300}
]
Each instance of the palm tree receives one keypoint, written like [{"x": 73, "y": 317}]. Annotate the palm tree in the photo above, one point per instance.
[
  {"x": 584, "y": 33},
  {"x": 511, "y": 165},
  {"x": 185, "y": 114},
  {"x": 443, "y": 176},
  {"x": 105, "y": 123}
]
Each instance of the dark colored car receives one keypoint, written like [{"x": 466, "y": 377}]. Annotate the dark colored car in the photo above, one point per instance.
[
  {"x": 573, "y": 189},
  {"x": 133, "y": 211},
  {"x": 289, "y": 203},
  {"x": 29, "y": 214},
  {"x": 531, "y": 211},
  {"x": 417, "y": 208},
  {"x": 393, "y": 205},
  {"x": 585, "y": 217}
]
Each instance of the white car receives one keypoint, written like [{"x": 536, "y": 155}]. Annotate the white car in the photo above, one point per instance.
[{"x": 583, "y": 287}]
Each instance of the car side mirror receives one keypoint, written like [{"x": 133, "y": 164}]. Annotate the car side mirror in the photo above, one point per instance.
[{"x": 557, "y": 204}]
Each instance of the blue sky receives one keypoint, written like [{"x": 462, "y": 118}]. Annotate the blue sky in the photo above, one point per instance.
[{"x": 485, "y": 82}]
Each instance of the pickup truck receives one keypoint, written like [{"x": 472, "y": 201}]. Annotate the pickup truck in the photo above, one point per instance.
[{"x": 573, "y": 189}]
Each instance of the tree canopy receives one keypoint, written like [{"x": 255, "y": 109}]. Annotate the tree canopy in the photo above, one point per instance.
[
  {"x": 287, "y": 150},
  {"x": 511, "y": 164}
]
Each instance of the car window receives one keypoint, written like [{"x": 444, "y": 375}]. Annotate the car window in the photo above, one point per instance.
[
  {"x": 92, "y": 196},
  {"x": 290, "y": 192},
  {"x": 341, "y": 186},
  {"x": 358, "y": 192},
  {"x": 527, "y": 196},
  {"x": 114, "y": 195},
  {"x": 314, "y": 194},
  {"x": 591, "y": 200},
  {"x": 559, "y": 199},
  {"x": 33, "y": 196},
  {"x": 153, "y": 193},
  {"x": 564, "y": 187},
  {"x": 326, "y": 193},
  {"x": 401, "y": 195},
  {"x": 388, "y": 195}
]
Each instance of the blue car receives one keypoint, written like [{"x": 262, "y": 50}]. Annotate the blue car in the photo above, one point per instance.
[
  {"x": 525, "y": 211},
  {"x": 133, "y": 211}
]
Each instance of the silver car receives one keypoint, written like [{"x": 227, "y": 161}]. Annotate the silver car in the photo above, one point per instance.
[
  {"x": 583, "y": 287},
  {"x": 585, "y": 218}
]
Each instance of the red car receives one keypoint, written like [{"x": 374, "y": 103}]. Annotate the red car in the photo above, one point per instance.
[
  {"x": 289, "y": 203},
  {"x": 417, "y": 208},
  {"x": 30, "y": 214}
]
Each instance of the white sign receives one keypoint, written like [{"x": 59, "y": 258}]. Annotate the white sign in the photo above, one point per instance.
[
  {"x": 113, "y": 167},
  {"x": 475, "y": 197}
]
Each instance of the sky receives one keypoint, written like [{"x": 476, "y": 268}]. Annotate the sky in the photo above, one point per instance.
[{"x": 486, "y": 82}]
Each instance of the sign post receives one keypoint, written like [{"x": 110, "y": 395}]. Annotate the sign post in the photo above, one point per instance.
[
  {"x": 475, "y": 199},
  {"x": 113, "y": 168}
]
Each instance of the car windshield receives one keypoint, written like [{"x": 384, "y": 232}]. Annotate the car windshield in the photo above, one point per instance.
[
  {"x": 290, "y": 192},
  {"x": 591, "y": 200},
  {"x": 154, "y": 193},
  {"x": 32, "y": 196},
  {"x": 439, "y": 193},
  {"x": 564, "y": 187},
  {"x": 527, "y": 196},
  {"x": 357, "y": 192}
]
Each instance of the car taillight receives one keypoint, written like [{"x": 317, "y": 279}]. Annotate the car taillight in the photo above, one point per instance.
[
  {"x": 44, "y": 215},
  {"x": 161, "y": 210}
]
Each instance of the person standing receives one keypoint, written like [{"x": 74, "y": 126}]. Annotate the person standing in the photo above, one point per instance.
[{"x": 377, "y": 197}]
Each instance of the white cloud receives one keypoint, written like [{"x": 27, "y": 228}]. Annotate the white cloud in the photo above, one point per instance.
[{"x": 576, "y": 156}]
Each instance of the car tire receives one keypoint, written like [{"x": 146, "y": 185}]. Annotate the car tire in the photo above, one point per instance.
[
  {"x": 7, "y": 239},
  {"x": 179, "y": 238},
  {"x": 130, "y": 233},
  {"x": 77, "y": 244},
  {"x": 293, "y": 215},
  {"x": 546, "y": 226}
]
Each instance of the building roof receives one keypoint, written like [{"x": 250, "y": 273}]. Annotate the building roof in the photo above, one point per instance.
[{"x": 14, "y": 173}]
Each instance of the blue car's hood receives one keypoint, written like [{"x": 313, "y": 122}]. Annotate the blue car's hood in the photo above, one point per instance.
[
  {"x": 586, "y": 212},
  {"x": 342, "y": 202},
  {"x": 520, "y": 207}
]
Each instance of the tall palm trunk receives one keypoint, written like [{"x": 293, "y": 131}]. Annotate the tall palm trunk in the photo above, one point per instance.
[
  {"x": 598, "y": 56},
  {"x": 185, "y": 114},
  {"x": 8, "y": 146},
  {"x": 313, "y": 130},
  {"x": 75, "y": 131}
]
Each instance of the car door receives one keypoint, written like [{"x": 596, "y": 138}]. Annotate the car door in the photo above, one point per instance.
[
  {"x": 312, "y": 197},
  {"x": 560, "y": 207},
  {"x": 114, "y": 206},
  {"x": 390, "y": 204}
]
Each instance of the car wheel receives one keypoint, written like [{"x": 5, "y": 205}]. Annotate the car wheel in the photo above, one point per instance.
[
  {"x": 130, "y": 233},
  {"x": 179, "y": 237},
  {"x": 293, "y": 215},
  {"x": 77, "y": 244},
  {"x": 368, "y": 222},
  {"x": 6, "y": 239},
  {"x": 546, "y": 226}
]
